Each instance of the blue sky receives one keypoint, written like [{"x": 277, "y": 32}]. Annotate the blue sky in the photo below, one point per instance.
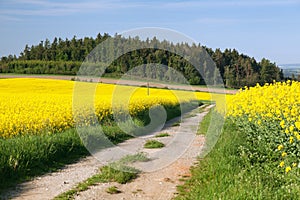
[{"x": 258, "y": 28}]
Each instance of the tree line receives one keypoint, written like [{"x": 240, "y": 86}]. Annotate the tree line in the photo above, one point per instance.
[{"x": 118, "y": 56}]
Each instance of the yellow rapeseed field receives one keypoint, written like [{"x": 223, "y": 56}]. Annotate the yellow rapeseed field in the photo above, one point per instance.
[
  {"x": 29, "y": 105},
  {"x": 278, "y": 104}
]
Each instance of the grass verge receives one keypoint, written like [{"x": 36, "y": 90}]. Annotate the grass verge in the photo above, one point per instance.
[
  {"x": 225, "y": 174},
  {"x": 24, "y": 157},
  {"x": 205, "y": 123},
  {"x": 27, "y": 156}
]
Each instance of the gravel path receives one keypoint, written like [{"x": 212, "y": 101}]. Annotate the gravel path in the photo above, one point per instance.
[
  {"x": 159, "y": 178},
  {"x": 160, "y": 181}
]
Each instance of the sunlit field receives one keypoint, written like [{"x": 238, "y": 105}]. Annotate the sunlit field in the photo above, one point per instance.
[
  {"x": 34, "y": 106},
  {"x": 275, "y": 109}
]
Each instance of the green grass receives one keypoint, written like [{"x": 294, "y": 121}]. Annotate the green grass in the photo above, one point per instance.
[
  {"x": 24, "y": 157},
  {"x": 153, "y": 144},
  {"x": 119, "y": 173},
  {"x": 27, "y": 156},
  {"x": 226, "y": 173},
  {"x": 205, "y": 124},
  {"x": 162, "y": 135}
]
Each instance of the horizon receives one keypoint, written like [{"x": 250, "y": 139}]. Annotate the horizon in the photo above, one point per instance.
[
  {"x": 250, "y": 27},
  {"x": 288, "y": 67}
]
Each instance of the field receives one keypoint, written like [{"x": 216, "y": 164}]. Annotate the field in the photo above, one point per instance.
[
  {"x": 35, "y": 106},
  {"x": 257, "y": 153},
  {"x": 38, "y": 118}
]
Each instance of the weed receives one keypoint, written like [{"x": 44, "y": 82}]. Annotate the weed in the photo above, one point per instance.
[
  {"x": 118, "y": 173},
  {"x": 162, "y": 135},
  {"x": 153, "y": 144},
  {"x": 139, "y": 157}
]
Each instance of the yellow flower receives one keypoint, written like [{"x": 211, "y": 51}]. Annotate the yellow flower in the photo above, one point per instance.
[
  {"x": 294, "y": 164},
  {"x": 287, "y": 169},
  {"x": 291, "y": 139},
  {"x": 297, "y": 124},
  {"x": 282, "y": 124},
  {"x": 281, "y": 164},
  {"x": 280, "y": 147},
  {"x": 286, "y": 131},
  {"x": 283, "y": 154}
]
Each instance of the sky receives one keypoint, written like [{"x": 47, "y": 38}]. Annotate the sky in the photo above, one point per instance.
[{"x": 258, "y": 28}]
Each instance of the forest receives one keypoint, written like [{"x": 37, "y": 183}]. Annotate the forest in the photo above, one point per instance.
[{"x": 65, "y": 57}]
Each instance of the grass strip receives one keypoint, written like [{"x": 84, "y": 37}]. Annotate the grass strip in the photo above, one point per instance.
[{"x": 205, "y": 123}]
